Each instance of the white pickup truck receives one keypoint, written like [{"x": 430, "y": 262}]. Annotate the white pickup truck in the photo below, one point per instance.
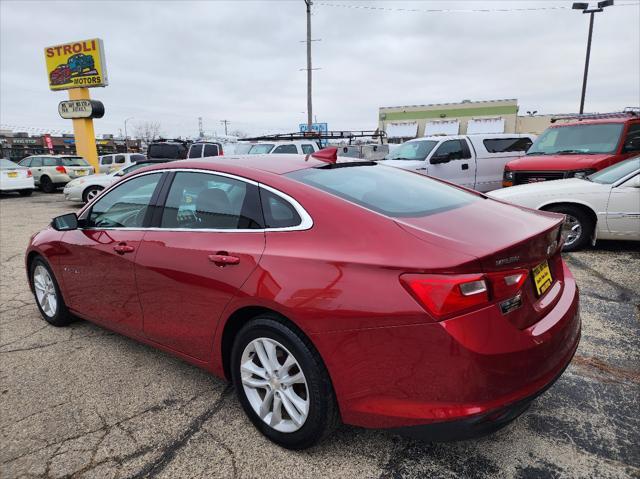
[{"x": 474, "y": 161}]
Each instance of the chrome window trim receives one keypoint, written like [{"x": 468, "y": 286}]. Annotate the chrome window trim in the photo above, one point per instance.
[{"x": 305, "y": 223}]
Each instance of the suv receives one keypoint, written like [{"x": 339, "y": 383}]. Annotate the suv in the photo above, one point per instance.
[
  {"x": 203, "y": 149},
  {"x": 53, "y": 171},
  {"x": 168, "y": 150},
  {"x": 577, "y": 148},
  {"x": 109, "y": 163}
]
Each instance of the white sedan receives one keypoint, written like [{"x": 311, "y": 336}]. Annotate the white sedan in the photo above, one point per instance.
[
  {"x": 88, "y": 187},
  {"x": 604, "y": 205},
  {"x": 14, "y": 177}
]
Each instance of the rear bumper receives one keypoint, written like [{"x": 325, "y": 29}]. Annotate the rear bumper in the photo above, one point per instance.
[
  {"x": 476, "y": 370},
  {"x": 17, "y": 185}
]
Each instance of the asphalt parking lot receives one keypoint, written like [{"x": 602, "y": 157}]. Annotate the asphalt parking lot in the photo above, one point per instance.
[{"x": 84, "y": 402}]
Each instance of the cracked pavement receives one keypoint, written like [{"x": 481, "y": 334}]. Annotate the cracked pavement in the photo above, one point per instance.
[{"x": 84, "y": 402}]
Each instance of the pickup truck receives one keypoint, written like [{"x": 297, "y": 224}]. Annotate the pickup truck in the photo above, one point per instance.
[
  {"x": 577, "y": 148},
  {"x": 474, "y": 161}
]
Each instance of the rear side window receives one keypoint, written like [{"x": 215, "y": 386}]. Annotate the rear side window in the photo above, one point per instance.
[
  {"x": 278, "y": 212},
  {"x": 387, "y": 190},
  {"x": 119, "y": 159},
  {"x": 307, "y": 149},
  {"x": 50, "y": 161},
  {"x": 211, "y": 150},
  {"x": 166, "y": 150},
  {"x": 106, "y": 160},
  {"x": 286, "y": 149},
  {"x": 135, "y": 158},
  {"x": 195, "y": 151},
  {"x": 261, "y": 148},
  {"x": 26, "y": 162},
  {"x": 504, "y": 145},
  {"x": 207, "y": 201},
  {"x": 37, "y": 162}
]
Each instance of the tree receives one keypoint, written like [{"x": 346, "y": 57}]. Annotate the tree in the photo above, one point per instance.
[{"x": 147, "y": 131}]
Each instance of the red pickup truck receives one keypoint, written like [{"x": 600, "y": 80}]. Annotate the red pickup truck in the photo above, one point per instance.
[{"x": 577, "y": 148}]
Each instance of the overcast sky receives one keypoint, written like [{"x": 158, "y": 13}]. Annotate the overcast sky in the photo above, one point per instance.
[{"x": 172, "y": 62}]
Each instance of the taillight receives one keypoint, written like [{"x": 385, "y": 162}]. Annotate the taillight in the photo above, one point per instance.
[
  {"x": 29, "y": 174},
  {"x": 444, "y": 295},
  {"x": 221, "y": 152},
  {"x": 61, "y": 169}
]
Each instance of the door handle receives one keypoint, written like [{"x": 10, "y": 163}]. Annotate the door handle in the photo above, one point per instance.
[
  {"x": 420, "y": 169},
  {"x": 123, "y": 248},
  {"x": 465, "y": 166},
  {"x": 223, "y": 259}
]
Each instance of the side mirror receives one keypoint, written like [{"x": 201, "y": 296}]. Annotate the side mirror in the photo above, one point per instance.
[
  {"x": 66, "y": 222},
  {"x": 435, "y": 160},
  {"x": 632, "y": 144}
]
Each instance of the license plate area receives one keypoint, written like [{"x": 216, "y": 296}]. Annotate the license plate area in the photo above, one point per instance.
[
  {"x": 542, "y": 279},
  {"x": 12, "y": 174}
]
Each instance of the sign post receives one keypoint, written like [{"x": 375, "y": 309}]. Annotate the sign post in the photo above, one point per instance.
[{"x": 76, "y": 67}]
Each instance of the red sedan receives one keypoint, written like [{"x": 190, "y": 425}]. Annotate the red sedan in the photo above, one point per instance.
[{"x": 325, "y": 291}]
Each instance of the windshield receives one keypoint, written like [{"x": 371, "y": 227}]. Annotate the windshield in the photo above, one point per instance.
[
  {"x": 6, "y": 164},
  {"x": 74, "y": 161},
  {"x": 242, "y": 148},
  {"x": 594, "y": 138},
  {"x": 412, "y": 150},
  {"x": 261, "y": 148},
  {"x": 166, "y": 150},
  {"x": 387, "y": 190},
  {"x": 616, "y": 172}
]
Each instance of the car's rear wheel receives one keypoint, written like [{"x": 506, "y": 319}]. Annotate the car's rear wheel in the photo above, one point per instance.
[
  {"x": 47, "y": 294},
  {"x": 577, "y": 228},
  {"x": 282, "y": 384},
  {"x": 90, "y": 193},
  {"x": 47, "y": 185},
  {"x": 25, "y": 192}
]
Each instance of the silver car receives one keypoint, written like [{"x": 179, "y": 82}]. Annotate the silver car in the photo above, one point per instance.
[{"x": 53, "y": 171}]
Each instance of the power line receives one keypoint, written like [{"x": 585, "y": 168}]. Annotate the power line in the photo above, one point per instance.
[{"x": 451, "y": 10}]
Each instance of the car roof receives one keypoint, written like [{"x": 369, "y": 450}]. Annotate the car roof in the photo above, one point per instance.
[
  {"x": 597, "y": 121},
  {"x": 56, "y": 156},
  {"x": 245, "y": 164}
]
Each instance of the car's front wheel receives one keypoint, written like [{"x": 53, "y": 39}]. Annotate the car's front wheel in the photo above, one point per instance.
[
  {"x": 577, "y": 228},
  {"x": 90, "y": 193},
  {"x": 47, "y": 294},
  {"x": 282, "y": 384}
]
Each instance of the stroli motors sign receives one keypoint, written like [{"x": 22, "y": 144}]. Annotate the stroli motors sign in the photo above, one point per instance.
[
  {"x": 76, "y": 65},
  {"x": 81, "y": 109}
]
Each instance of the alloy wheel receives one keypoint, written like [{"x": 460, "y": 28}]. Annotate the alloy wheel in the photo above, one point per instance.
[
  {"x": 92, "y": 193},
  {"x": 45, "y": 291},
  {"x": 274, "y": 385},
  {"x": 571, "y": 230}
]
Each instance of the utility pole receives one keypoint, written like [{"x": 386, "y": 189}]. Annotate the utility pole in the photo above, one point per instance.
[
  {"x": 126, "y": 138},
  {"x": 309, "y": 71},
  {"x": 225, "y": 123},
  {"x": 585, "y": 9},
  {"x": 200, "y": 129}
]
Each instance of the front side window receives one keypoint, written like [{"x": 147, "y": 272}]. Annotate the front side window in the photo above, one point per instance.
[
  {"x": 126, "y": 205},
  {"x": 286, "y": 149},
  {"x": 106, "y": 160},
  {"x": 261, "y": 148},
  {"x": 390, "y": 191},
  {"x": 632, "y": 140},
  {"x": 211, "y": 150},
  {"x": 412, "y": 150},
  {"x": 208, "y": 201},
  {"x": 195, "y": 151},
  {"x": 119, "y": 159},
  {"x": 307, "y": 149},
  {"x": 452, "y": 150},
  {"x": 587, "y": 139},
  {"x": 504, "y": 145},
  {"x": 48, "y": 161}
]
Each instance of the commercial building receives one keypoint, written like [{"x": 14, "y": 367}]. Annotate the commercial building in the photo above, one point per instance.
[
  {"x": 18, "y": 145},
  {"x": 402, "y": 123}
]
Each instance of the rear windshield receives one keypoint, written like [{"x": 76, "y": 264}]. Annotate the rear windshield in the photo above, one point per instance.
[
  {"x": 166, "y": 150},
  {"x": 386, "y": 190},
  {"x": 6, "y": 164},
  {"x": 74, "y": 161}
]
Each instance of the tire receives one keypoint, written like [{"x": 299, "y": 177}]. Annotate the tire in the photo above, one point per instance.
[
  {"x": 313, "y": 388},
  {"x": 25, "y": 192},
  {"x": 578, "y": 222},
  {"x": 47, "y": 185},
  {"x": 90, "y": 193},
  {"x": 57, "y": 315}
]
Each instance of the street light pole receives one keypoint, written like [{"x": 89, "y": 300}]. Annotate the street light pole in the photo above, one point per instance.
[
  {"x": 309, "y": 71},
  {"x": 585, "y": 9},
  {"x": 126, "y": 138}
]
